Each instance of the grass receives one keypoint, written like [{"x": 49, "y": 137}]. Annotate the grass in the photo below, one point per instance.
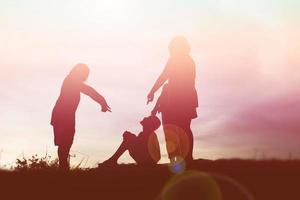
[{"x": 204, "y": 179}]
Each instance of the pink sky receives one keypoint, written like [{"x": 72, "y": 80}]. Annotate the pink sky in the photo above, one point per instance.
[{"x": 248, "y": 73}]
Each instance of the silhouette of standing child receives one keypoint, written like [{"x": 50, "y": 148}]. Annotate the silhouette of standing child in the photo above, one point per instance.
[
  {"x": 63, "y": 114},
  {"x": 144, "y": 148}
]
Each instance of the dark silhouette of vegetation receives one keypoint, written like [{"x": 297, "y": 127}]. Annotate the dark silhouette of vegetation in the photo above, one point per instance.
[
  {"x": 233, "y": 179},
  {"x": 36, "y": 163}
]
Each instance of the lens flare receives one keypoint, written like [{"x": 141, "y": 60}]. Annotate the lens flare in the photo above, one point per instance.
[
  {"x": 177, "y": 141},
  {"x": 237, "y": 188},
  {"x": 178, "y": 166},
  {"x": 191, "y": 185},
  {"x": 153, "y": 147}
]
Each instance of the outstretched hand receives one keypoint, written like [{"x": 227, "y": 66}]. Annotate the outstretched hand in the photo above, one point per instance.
[
  {"x": 150, "y": 97},
  {"x": 105, "y": 108}
]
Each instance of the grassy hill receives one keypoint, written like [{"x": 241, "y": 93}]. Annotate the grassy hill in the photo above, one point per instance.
[{"x": 202, "y": 180}]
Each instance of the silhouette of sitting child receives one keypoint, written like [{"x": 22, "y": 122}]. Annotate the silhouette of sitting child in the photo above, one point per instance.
[{"x": 144, "y": 148}]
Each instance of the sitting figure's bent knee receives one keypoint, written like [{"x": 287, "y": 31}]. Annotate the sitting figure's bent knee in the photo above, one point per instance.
[{"x": 128, "y": 137}]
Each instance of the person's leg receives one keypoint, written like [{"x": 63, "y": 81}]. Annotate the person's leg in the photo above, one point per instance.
[
  {"x": 63, "y": 138},
  {"x": 140, "y": 153},
  {"x": 179, "y": 137},
  {"x": 63, "y": 156},
  {"x": 185, "y": 138},
  {"x": 189, "y": 133},
  {"x": 127, "y": 140},
  {"x": 171, "y": 136},
  {"x": 122, "y": 148}
]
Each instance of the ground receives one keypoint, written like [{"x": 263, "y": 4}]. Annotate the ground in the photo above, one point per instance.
[{"x": 201, "y": 180}]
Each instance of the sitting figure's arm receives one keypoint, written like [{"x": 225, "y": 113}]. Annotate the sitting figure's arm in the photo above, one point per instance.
[
  {"x": 129, "y": 139},
  {"x": 159, "y": 101},
  {"x": 154, "y": 148},
  {"x": 156, "y": 108},
  {"x": 128, "y": 143},
  {"x": 91, "y": 92}
]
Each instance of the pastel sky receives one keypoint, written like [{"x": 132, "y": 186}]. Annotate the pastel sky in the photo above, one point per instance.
[{"x": 247, "y": 54}]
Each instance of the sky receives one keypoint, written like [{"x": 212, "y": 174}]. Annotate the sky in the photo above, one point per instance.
[{"x": 247, "y": 54}]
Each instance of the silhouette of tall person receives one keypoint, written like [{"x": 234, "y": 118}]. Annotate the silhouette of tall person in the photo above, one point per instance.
[
  {"x": 63, "y": 114},
  {"x": 178, "y": 101}
]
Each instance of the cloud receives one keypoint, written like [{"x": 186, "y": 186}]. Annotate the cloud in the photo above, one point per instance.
[
  {"x": 272, "y": 125},
  {"x": 279, "y": 115}
]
